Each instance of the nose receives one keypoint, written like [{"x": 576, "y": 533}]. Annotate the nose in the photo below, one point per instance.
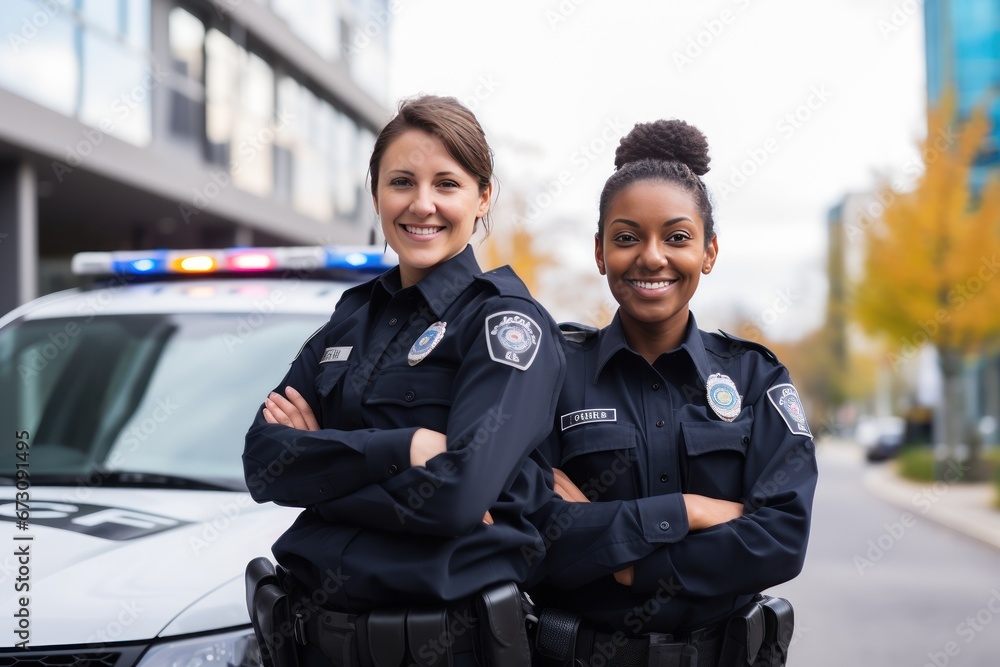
[
  {"x": 651, "y": 256},
  {"x": 423, "y": 202}
]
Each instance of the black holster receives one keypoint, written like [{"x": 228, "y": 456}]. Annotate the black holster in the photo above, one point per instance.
[
  {"x": 758, "y": 634},
  {"x": 502, "y": 633},
  {"x": 271, "y": 615}
]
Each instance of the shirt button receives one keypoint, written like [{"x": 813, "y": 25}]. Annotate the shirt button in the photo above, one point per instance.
[
  {"x": 659, "y": 423},
  {"x": 664, "y": 525},
  {"x": 322, "y": 490},
  {"x": 656, "y": 385},
  {"x": 393, "y": 469},
  {"x": 664, "y": 478},
  {"x": 392, "y": 322},
  {"x": 409, "y": 396},
  {"x": 746, "y": 440}
]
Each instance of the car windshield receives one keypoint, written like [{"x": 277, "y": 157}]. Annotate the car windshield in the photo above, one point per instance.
[{"x": 165, "y": 398}]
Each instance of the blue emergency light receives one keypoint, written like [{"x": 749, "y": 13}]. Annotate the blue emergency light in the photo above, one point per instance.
[{"x": 356, "y": 259}]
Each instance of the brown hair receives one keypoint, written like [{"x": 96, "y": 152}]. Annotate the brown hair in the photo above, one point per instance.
[{"x": 450, "y": 121}]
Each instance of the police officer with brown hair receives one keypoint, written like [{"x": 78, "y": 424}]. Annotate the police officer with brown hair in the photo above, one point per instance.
[
  {"x": 698, "y": 440},
  {"x": 403, "y": 428}
]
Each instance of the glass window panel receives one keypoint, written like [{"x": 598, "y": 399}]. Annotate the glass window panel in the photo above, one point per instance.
[
  {"x": 103, "y": 14},
  {"x": 221, "y": 70},
  {"x": 118, "y": 105},
  {"x": 187, "y": 40},
  {"x": 40, "y": 61},
  {"x": 137, "y": 23}
]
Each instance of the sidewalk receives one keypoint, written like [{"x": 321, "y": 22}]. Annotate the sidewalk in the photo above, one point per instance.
[{"x": 966, "y": 508}]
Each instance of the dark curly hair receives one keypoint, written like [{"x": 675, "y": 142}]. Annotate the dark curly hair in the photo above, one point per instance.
[{"x": 664, "y": 150}]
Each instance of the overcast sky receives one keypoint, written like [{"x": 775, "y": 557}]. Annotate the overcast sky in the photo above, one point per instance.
[{"x": 801, "y": 103}]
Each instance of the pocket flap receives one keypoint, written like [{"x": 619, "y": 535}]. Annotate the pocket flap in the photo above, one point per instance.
[
  {"x": 597, "y": 437},
  {"x": 413, "y": 387},
  {"x": 329, "y": 377},
  {"x": 706, "y": 437}
]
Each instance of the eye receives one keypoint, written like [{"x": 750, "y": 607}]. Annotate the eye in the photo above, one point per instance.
[
  {"x": 625, "y": 237},
  {"x": 449, "y": 184},
  {"x": 678, "y": 237},
  {"x": 399, "y": 182}
]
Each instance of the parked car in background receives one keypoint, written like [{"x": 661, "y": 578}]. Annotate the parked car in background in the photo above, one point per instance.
[
  {"x": 124, "y": 413},
  {"x": 880, "y": 437}
]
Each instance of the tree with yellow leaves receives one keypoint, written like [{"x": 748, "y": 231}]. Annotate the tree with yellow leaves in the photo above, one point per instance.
[{"x": 932, "y": 261}]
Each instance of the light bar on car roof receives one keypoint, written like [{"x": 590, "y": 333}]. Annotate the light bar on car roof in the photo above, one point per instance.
[{"x": 362, "y": 259}]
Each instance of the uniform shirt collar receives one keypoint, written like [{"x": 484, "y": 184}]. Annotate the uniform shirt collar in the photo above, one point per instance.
[
  {"x": 441, "y": 286},
  {"x": 612, "y": 341}
]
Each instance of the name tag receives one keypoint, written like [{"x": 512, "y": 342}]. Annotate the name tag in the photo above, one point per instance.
[
  {"x": 587, "y": 416},
  {"x": 336, "y": 354}
]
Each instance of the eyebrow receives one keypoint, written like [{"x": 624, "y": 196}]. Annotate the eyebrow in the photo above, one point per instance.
[
  {"x": 672, "y": 221},
  {"x": 407, "y": 172}
]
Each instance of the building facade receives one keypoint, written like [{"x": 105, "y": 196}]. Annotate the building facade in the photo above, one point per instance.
[
  {"x": 133, "y": 124},
  {"x": 963, "y": 55}
]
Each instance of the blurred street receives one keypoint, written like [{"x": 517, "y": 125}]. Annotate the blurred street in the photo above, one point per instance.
[{"x": 884, "y": 586}]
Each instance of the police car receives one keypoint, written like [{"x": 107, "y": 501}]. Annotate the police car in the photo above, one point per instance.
[{"x": 124, "y": 410}]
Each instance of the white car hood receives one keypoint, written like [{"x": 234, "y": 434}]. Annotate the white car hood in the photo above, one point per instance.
[{"x": 112, "y": 565}]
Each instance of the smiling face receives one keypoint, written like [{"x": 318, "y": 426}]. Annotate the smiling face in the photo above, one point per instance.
[
  {"x": 427, "y": 202},
  {"x": 653, "y": 252}
]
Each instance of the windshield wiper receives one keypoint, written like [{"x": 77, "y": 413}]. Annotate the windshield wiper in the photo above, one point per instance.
[{"x": 139, "y": 480}]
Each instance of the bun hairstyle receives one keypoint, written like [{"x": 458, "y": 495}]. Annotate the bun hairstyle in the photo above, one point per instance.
[{"x": 670, "y": 151}]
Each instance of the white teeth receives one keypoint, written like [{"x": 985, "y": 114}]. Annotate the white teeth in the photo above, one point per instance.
[
  {"x": 422, "y": 231},
  {"x": 648, "y": 285}
]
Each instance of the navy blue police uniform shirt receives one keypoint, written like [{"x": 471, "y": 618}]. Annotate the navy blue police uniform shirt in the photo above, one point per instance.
[
  {"x": 634, "y": 437},
  {"x": 462, "y": 352}
]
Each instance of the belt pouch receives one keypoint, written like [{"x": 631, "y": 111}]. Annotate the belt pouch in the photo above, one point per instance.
[
  {"x": 666, "y": 653},
  {"x": 273, "y": 617},
  {"x": 430, "y": 639},
  {"x": 555, "y": 637},
  {"x": 259, "y": 572},
  {"x": 744, "y": 636},
  {"x": 502, "y": 634},
  {"x": 387, "y": 637},
  {"x": 779, "y": 625}
]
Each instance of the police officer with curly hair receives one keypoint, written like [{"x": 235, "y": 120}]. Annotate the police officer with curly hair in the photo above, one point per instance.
[{"x": 697, "y": 440}]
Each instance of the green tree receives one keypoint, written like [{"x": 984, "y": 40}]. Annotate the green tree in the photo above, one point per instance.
[{"x": 931, "y": 264}]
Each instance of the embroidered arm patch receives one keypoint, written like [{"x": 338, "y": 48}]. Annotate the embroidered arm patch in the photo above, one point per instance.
[
  {"x": 512, "y": 338},
  {"x": 786, "y": 401}
]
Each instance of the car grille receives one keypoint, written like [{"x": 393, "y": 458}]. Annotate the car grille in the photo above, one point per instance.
[{"x": 124, "y": 656}]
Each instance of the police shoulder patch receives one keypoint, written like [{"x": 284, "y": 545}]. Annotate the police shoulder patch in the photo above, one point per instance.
[
  {"x": 512, "y": 338},
  {"x": 786, "y": 401}
]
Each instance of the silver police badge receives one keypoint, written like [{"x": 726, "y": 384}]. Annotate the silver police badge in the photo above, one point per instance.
[
  {"x": 723, "y": 398},
  {"x": 426, "y": 343}
]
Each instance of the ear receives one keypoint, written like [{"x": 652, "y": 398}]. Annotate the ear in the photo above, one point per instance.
[
  {"x": 484, "y": 200},
  {"x": 599, "y": 254},
  {"x": 711, "y": 254}
]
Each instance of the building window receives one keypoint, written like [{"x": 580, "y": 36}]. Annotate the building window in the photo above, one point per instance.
[
  {"x": 187, "y": 90},
  {"x": 240, "y": 125},
  {"x": 61, "y": 54}
]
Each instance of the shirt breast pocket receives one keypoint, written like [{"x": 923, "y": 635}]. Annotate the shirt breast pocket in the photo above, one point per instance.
[
  {"x": 414, "y": 396},
  {"x": 601, "y": 460},
  {"x": 716, "y": 457}
]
